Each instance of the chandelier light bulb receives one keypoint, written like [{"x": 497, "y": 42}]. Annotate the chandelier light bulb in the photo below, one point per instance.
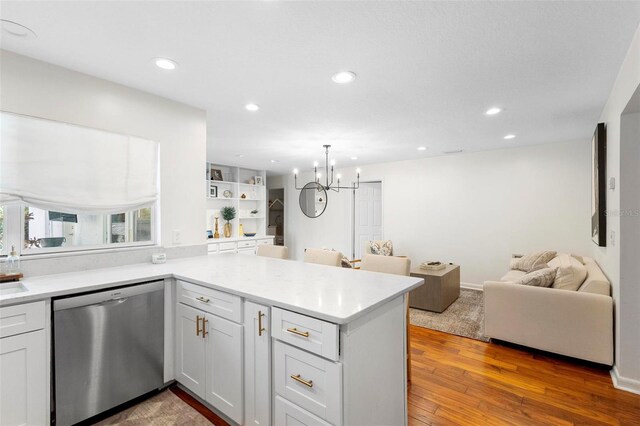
[
  {"x": 315, "y": 164},
  {"x": 339, "y": 176},
  {"x": 295, "y": 171}
]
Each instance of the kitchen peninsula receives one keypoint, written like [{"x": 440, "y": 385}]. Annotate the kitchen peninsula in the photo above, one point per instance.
[{"x": 260, "y": 340}]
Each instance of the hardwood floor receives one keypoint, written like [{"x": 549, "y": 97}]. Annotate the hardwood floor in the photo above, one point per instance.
[{"x": 461, "y": 381}]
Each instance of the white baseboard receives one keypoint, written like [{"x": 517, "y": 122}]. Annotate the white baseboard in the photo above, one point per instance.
[
  {"x": 624, "y": 383},
  {"x": 471, "y": 286}
]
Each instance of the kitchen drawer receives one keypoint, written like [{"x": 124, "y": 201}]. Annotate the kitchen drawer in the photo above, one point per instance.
[
  {"x": 227, "y": 246},
  {"x": 212, "y": 248},
  {"x": 246, "y": 244},
  {"x": 305, "y": 332},
  {"x": 265, "y": 242},
  {"x": 19, "y": 319},
  {"x": 309, "y": 381},
  {"x": 288, "y": 414},
  {"x": 249, "y": 251},
  {"x": 216, "y": 302}
]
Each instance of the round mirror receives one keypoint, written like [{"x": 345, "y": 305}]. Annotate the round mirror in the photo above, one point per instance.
[{"x": 313, "y": 199}]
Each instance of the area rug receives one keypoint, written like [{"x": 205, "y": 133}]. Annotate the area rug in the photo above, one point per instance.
[
  {"x": 163, "y": 409},
  {"x": 465, "y": 317}
]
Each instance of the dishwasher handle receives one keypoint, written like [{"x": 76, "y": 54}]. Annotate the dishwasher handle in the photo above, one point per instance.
[{"x": 109, "y": 297}]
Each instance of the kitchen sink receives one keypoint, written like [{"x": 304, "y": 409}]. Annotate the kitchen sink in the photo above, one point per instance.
[{"x": 11, "y": 288}]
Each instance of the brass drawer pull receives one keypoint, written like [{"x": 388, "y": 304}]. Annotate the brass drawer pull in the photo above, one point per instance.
[
  {"x": 202, "y": 299},
  {"x": 303, "y": 381},
  {"x": 260, "y": 328},
  {"x": 204, "y": 327},
  {"x": 198, "y": 325},
  {"x": 298, "y": 332}
]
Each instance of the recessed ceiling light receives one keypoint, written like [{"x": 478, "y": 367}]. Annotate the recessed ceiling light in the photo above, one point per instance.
[
  {"x": 251, "y": 107},
  {"x": 510, "y": 137},
  {"x": 239, "y": 155},
  {"x": 493, "y": 111},
  {"x": 274, "y": 161},
  {"x": 422, "y": 148},
  {"x": 17, "y": 30},
  {"x": 165, "y": 64},
  {"x": 344, "y": 77},
  {"x": 354, "y": 158}
]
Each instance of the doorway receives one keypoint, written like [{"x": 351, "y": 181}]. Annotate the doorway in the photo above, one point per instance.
[
  {"x": 367, "y": 216},
  {"x": 276, "y": 215}
]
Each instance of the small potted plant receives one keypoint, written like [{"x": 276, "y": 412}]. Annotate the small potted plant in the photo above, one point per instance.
[
  {"x": 254, "y": 213},
  {"x": 228, "y": 213}
]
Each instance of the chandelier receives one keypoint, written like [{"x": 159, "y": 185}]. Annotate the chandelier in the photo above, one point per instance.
[{"x": 328, "y": 180}]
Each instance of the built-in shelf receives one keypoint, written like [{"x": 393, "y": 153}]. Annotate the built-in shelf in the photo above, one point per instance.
[{"x": 236, "y": 180}]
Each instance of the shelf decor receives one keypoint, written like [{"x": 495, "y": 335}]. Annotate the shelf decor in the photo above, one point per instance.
[
  {"x": 228, "y": 213},
  {"x": 238, "y": 190}
]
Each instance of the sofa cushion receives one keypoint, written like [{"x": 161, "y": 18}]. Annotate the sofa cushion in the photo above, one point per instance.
[
  {"x": 541, "y": 278},
  {"x": 571, "y": 272},
  {"x": 531, "y": 262},
  {"x": 383, "y": 248},
  {"x": 513, "y": 275}
]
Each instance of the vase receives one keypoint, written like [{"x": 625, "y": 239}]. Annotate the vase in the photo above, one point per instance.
[{"x": 227, "y": 230}]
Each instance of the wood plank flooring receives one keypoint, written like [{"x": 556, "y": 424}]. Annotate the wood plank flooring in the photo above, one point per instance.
[{"x": 461, "y": 381}]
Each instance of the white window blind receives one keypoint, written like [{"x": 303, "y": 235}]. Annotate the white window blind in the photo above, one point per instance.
[{"x": 68, "y": 168}]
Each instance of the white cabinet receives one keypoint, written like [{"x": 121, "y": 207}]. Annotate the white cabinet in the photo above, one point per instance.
[
  {"x": 190, "y": 349},
  {"x": 23, "y": 366},
  {"x": 243, "y": 245},
  {"x": 224, "y": 366},
  {"x": 257, "y": 364},
  {"x": 209, "y": 355}
]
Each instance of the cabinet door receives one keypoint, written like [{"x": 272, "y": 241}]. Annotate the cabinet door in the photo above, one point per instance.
[
  {"x": 257, "y": 363},
  {"x": 190, "y": 349},
  {"x": 224, "y": 366},
  {"x": 23, "y": 379}
]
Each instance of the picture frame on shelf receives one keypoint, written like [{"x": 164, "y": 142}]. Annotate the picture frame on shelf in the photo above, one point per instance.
[
  {"x": 258, "y": 180},
  {"x": 216, "y": 174},
  {"x": 213, "y": 191}
]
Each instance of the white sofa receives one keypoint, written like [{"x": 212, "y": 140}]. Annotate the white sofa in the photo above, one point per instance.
[{"x": 578, "y": 323}]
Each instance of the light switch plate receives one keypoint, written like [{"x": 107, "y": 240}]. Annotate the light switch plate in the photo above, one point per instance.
[
  {"x": 177, "y": 236},
  {"x": 612, "y": 183}
]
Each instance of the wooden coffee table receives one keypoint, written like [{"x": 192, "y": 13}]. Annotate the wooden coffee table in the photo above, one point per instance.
[{"x": 440, "y": 289}]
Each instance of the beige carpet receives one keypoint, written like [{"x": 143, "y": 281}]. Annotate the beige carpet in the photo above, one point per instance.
[
  {"x": 465, "y": 316},
  {"x": 163, "y": 409}
]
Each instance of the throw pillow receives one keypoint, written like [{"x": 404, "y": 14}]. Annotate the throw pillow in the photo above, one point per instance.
[
  {"x": 532, "y": 261},
  {"x": 382, "y": 248},
  {"x": 540, "y": 278},
  {"x": 571, "y": 273}
]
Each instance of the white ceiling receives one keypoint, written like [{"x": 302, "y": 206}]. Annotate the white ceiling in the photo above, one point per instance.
[{"x": 427, "y": 71}]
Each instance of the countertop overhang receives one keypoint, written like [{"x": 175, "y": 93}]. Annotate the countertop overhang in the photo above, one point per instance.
[{"x": 338, "y": 295}]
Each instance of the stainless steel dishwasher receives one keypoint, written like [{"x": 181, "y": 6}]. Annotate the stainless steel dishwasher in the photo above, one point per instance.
[{"x": 108, "y": 348}]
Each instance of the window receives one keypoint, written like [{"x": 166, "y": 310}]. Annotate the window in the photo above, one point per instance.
[{"x": 45, "y": 231}]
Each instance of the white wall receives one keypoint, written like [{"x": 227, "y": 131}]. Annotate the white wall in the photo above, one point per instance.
[
  {"x": 474, "y": 209},
  {"x": 40, "y": 89},
  {"x": 627, "y": 344}
]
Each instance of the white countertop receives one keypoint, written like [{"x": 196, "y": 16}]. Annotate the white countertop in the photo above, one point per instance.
[{"x": 338, "y": 295}]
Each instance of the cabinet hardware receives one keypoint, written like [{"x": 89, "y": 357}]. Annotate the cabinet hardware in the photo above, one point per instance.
[
  {"x": 204, "y": 327},
  {"x": 303, "y": 381},
  {"x": 202, "y": 299},
  {"x": 260, "y": 328},
  {"x": 298, "y": 332},
  {"x": 197, "y": 325}
]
